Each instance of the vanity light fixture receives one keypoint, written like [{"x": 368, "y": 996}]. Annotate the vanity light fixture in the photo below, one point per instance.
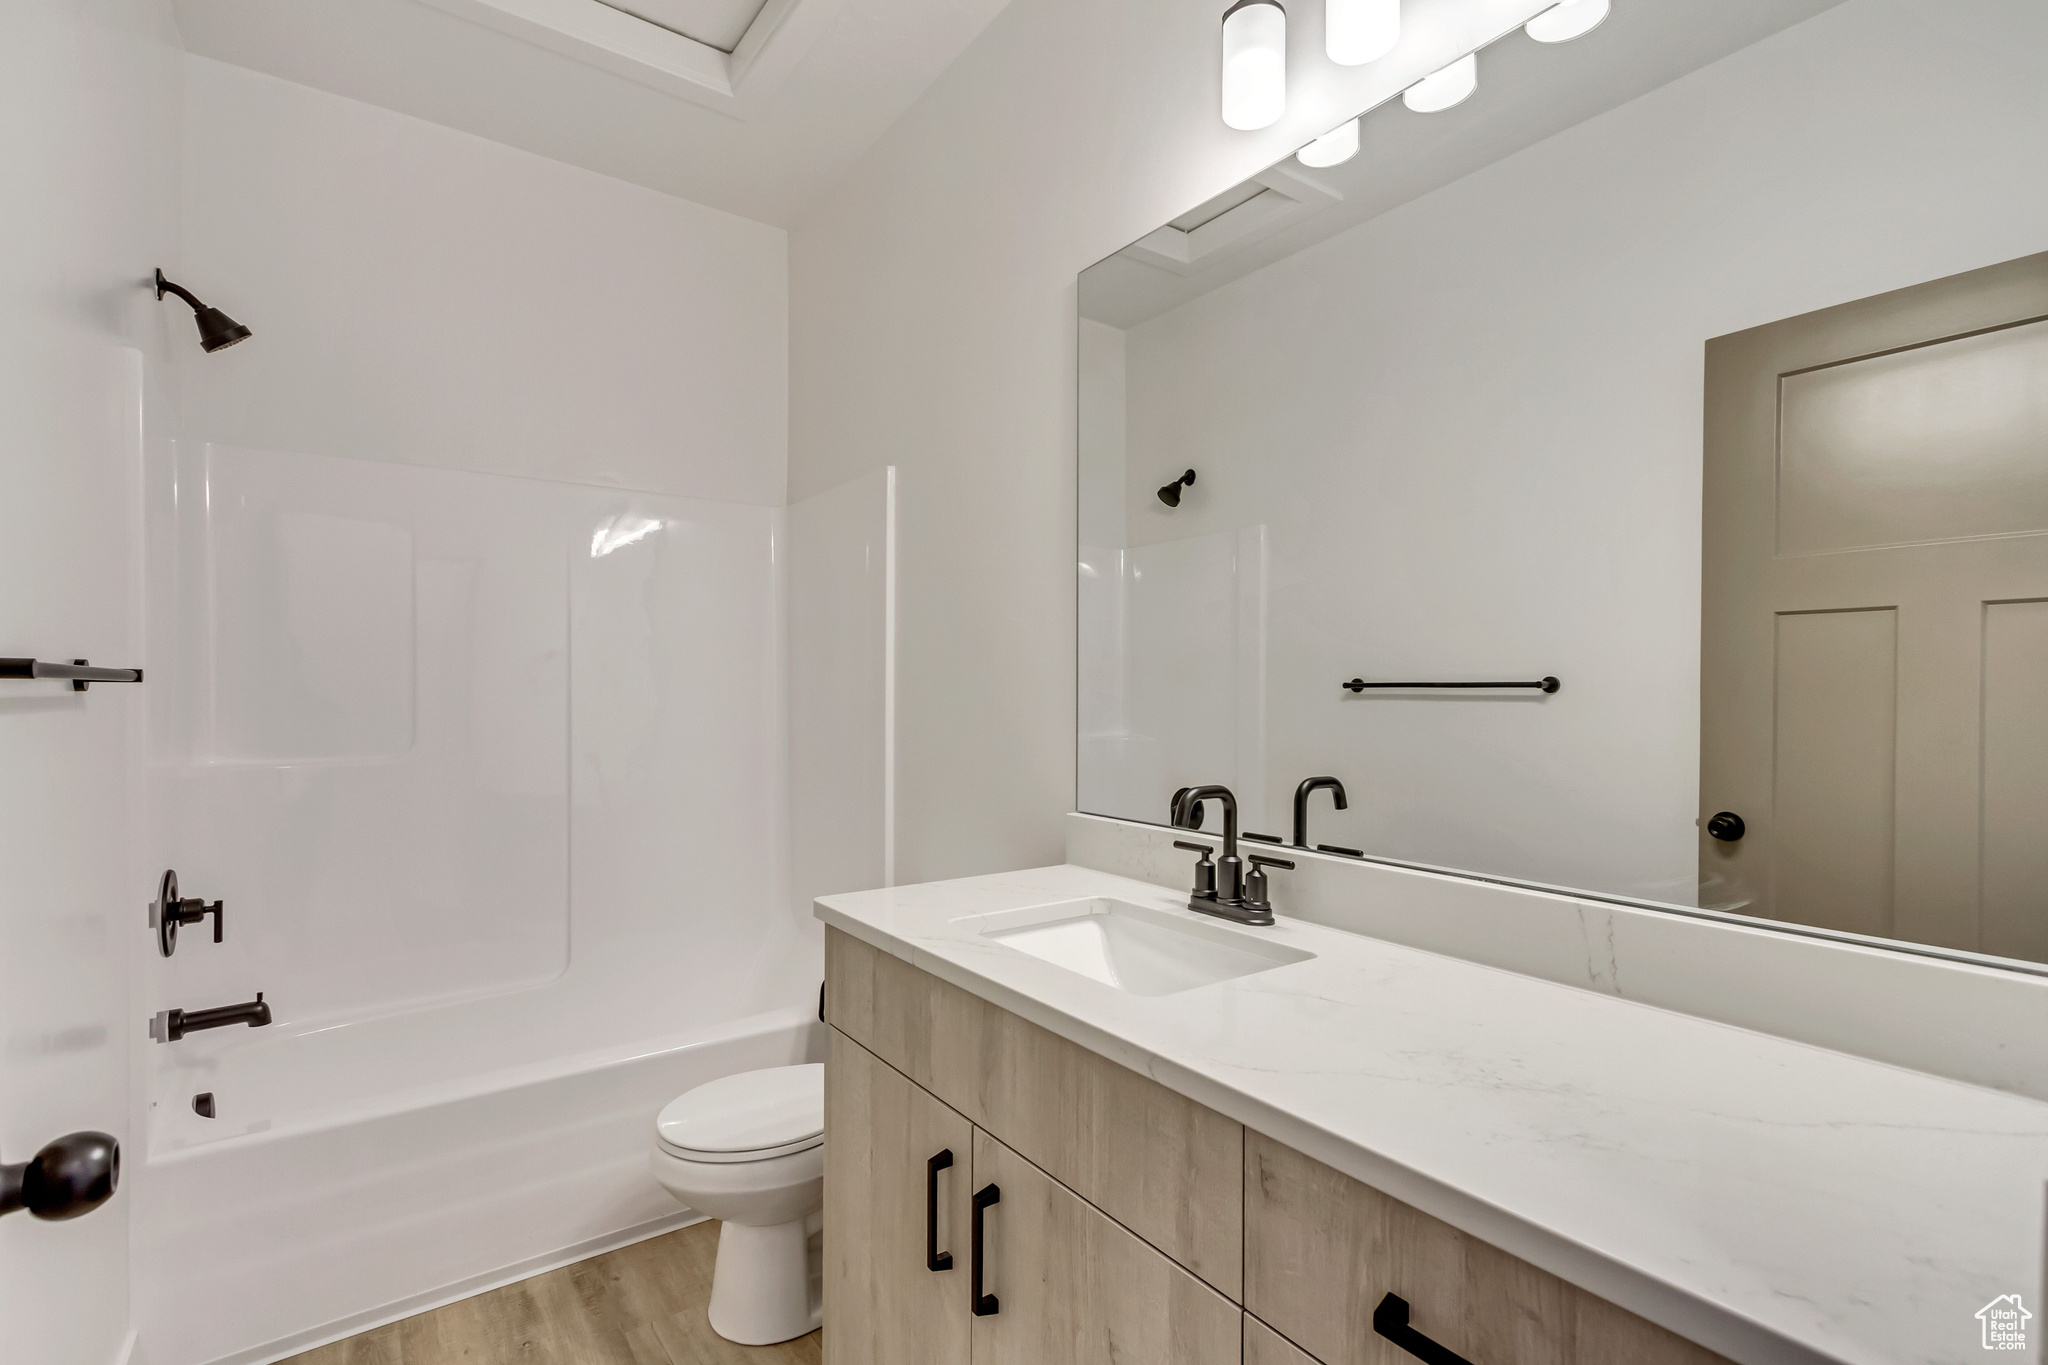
[
  {"x": 1359, "y": 31},
  {"x": 1570, "y": 20},
  {"x": 1254, "y": 64},
  {"x": 1441, "y": 90},
  {"x": 1333, "y": 148}
]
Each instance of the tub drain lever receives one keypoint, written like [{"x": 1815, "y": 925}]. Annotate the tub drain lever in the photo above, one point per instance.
[{"x": 167, "y": 912}]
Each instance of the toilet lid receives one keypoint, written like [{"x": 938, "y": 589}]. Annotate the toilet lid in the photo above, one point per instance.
[{"x": 764, "y": 1113}]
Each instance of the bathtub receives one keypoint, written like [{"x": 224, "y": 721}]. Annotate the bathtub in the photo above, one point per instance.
[{"x": 403, "y": 1179}]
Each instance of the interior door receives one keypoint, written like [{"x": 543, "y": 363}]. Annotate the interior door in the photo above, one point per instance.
[
  {"x": 1874, "y": 647},
  {"x": 896, "y": 1216},
  {"x": 87, "y": 134}
]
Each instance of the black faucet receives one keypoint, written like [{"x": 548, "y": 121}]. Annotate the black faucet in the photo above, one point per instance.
[
  {"x": 1301, "y": 795},
  {"x": 1220, "y": 888},
  {"x": 172, "y": 1025}
]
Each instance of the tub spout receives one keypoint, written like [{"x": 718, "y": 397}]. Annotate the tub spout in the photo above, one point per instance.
[{"x": 171, "y": 1025}]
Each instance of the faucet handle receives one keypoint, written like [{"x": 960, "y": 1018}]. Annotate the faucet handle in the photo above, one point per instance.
[
  {"x": 1205, "y": 871},
  {"x": 1255, "y": 883}
]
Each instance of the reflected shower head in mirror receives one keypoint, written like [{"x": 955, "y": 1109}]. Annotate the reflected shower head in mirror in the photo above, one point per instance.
[
  {"x": 217, "y": 331},
  {"x": 1572, "y": 19},
  {"x": 1446, "y": 88},
  {"x": 1170, "y": 493}
]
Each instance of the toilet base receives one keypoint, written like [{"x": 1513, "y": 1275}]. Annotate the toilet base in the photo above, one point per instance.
[{"x": 764, "y": 1288}]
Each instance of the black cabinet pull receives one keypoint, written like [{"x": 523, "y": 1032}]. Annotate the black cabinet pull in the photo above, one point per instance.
[
  {"x": 985, "y": 1305},
  {"x": 1390, "y": 1320},
  {"x": 934, "y": 1259}
]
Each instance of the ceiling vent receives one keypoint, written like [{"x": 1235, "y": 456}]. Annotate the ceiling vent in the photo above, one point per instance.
[{"x": 728, "y": 55}]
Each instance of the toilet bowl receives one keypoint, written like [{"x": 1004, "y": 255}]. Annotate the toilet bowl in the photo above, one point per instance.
[{"x": 749, "y": 1150}]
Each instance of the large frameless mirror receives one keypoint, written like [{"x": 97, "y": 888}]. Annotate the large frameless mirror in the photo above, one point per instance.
[{"x": 1632, "y": 478}]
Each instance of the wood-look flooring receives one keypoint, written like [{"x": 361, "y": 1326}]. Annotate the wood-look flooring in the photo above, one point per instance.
[{"x": 640, "y": 1305}]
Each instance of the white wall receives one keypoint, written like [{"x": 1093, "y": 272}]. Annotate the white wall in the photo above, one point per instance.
[
  {"x": 841, "y": 574},
  {"x": 932, "y": 328},
  {"x": 422, "y": 296},
  {"x": 88, "y": 149},
  {"x": 933, "y": 325},
  {"x": 1473, "y": 424}
]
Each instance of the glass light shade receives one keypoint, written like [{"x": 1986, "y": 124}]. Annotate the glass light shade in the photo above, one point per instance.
[
  {"x": 1254, "y": 64},
  {"x": 1333, "y": 148},
  {"x": 1441, "y": 89},
  {"x": 1568, "y": 20},
  {"x": 1359, "y": 31}
]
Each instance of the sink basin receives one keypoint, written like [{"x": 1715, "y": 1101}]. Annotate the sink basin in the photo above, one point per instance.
[{"x": 1135, "y": 948}]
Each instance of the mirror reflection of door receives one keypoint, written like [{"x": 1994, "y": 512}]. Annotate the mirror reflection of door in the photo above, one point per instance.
[{"x": 1874, "y": 652}]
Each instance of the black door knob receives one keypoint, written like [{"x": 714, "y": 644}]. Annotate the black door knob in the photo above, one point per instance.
[
  {"x": 73, "y": 1175},
  {"x": 1727, "y": 827}
]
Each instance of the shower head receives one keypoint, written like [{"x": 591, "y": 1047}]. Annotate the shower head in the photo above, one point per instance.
[
  {"x": 1170, "y": 493},
  {"x": 217, "y": 331}
]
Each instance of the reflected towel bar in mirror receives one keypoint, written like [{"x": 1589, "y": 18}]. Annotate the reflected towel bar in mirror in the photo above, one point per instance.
[
  {"x": 1540, "y": 685},
  {"x": 77, "y": 671}
]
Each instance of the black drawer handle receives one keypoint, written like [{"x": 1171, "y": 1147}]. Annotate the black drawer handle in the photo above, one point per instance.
[
  {"x": 985, "y": 1305},
  {"x": 1390, "y": 1320},
  {"x": 934, "y": 1259}
]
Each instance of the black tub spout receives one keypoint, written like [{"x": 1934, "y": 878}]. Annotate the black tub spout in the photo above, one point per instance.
[{"x": 171, "y": 1025}]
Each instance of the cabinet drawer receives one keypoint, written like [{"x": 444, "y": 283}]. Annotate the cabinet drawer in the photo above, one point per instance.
[
  {"x": 1075, "y": 1288},
  {"x": 1165, "y": 1167},
  {"x": 1321, "y": 1250},
  {"x": 883, "y": 1303}
]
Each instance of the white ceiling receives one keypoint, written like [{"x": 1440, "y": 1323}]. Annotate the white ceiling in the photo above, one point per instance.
[
  {"x": 862, "y": 64},
  {"x": 719, "y": 23},
  {"x": 1528, "y": 91}
]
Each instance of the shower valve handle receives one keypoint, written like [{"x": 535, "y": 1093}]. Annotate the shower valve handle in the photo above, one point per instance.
[{"x": 167, "y": 912}]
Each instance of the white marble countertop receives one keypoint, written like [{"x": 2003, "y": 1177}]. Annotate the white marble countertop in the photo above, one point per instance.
[{"x": 1774, "y": 1201}]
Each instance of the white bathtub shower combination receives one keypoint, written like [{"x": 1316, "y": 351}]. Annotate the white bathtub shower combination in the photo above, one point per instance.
[{"x": 492, "y": 776}]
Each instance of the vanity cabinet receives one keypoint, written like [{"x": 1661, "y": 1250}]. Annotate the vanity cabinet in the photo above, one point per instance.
[
  {"x": 1323, "y": 1250},
  {"x": 1170, "y": 1170},
  {"x": 1132, "y": 1226},
  {"x": 1073, "y": 1285},
  {"x": 894, "y": 1158}
]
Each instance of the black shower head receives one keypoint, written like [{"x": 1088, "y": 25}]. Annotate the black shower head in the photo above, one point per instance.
[
  {"x": 217, "y": 331},
  {"x": 1170, "y": 493}
]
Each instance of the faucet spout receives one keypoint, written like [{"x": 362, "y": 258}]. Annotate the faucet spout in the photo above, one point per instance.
[
  {"x": 171, "y": 1025},
  {"x": 1229, "y": 894},
  {"x": 1301, "y": 795}
]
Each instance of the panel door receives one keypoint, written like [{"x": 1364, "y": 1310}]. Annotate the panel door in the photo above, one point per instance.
[
  {"x": 1071, "y": 1285},
  {"x": 884, "y": 1303},
  {"x": 1874, "y": 649}
]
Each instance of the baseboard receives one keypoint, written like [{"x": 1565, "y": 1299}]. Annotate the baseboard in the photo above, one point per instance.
[{"x": 412, "y": 1304}]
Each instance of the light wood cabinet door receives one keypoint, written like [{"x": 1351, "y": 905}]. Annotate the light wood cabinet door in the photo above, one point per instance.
[
  {"x": 1322, "y": 1250},
  {"x": 1264, "y": 1346},
  {"x": 1165, "y": 1167},
  {"x": 884, "y": 1305},
  {"x": 1072, "y": 1286}
]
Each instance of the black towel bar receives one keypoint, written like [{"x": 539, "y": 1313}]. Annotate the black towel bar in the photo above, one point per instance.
[
  {"x": 1540, "y": 685},
  {"x": 78, "y": 671}
]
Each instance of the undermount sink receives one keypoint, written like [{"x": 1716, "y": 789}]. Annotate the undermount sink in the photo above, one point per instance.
[{"x": 1135, "y": 948}]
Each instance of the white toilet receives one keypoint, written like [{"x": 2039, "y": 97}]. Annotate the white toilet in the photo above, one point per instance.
[{"x": 749, "y": 1150}]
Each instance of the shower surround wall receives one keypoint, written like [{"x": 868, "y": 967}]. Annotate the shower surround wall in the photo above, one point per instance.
[{"x": 466, "y": 630}]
